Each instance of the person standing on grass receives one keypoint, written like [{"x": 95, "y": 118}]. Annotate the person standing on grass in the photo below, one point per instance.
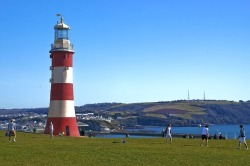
[
  {"x": 242, "y": 137},
  {"x": 51, "y": 129},
  {"x": 205, "y": 135},
  {"x": 168, "y": 132},
  {"x": 12, "y": 129}
]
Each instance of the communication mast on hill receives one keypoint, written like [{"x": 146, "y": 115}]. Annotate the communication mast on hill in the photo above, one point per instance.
[
  {"x": 204, "y": 95},
  {"x": 188, "y": 94}
]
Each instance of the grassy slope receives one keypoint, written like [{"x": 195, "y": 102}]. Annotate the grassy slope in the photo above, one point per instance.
[
  {"x": 39, "y": 149},
  {"x": 188, "y": 108}
]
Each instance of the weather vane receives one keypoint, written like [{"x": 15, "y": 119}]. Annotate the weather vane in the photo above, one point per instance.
[{"x": 59, "y": 15}]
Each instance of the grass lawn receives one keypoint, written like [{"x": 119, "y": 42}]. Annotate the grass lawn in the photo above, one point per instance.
[{"x": 39, "y": 149}]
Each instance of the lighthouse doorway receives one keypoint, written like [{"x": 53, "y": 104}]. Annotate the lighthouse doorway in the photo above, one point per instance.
[{"x": 67, "y": 130}]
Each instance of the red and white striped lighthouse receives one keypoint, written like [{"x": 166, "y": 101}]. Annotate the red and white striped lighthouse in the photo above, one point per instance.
[{"x": 62, "y": 108}]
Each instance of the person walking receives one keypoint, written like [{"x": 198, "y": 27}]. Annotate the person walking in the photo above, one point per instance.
[
  {"x": 12, "y": 130},
  {"x": 51, "y": 129},
  {"x": 242, "y": 137},
  {"x": 205, "y": 135},
  {"x": 168, "y": 132}
]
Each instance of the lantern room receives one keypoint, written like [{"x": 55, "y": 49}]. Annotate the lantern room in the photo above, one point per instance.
[
  {"x": 62, "y": 41},
  {"x": 62, "y": 30}
]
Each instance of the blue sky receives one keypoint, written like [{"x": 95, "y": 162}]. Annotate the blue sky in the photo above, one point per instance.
[{"x": 127, "y": 51}]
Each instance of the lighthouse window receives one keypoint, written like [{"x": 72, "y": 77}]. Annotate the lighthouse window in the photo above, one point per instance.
[{"x": 61, "y": 34}]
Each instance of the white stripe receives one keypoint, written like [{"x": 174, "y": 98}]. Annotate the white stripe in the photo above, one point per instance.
[
  {"x": 62, "y": 75},
  {"x": 62, "y": 108}
]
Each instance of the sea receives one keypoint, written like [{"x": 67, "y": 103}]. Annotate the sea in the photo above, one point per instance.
[{"x": 228, "y": 131}]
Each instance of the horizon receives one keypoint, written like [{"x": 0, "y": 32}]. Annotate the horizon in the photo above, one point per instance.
[{"x": 128, "y": 51}]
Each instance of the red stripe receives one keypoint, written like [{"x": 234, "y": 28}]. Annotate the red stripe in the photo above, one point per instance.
[
  {"x": 60, "y": 125},
  {"x": 61, "y": 91},
  {"x": 62, "y": 58}
]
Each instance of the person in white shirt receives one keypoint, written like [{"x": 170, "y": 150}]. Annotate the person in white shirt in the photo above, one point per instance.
[
  {"x": 12, "y": 130},
  {"x": 168, "y": 132},
  {"x": 205, "y": 135},
  {"x": 51, "y": 129},
  {"x": 242, "y": 137}
]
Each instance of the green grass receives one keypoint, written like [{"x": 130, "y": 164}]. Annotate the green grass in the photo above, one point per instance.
[
  {"x": 156, "y": 115},
  {"x": 39, "y": 149},
  {"x": 181, "y": 106},
  {"x": 188, "y": 109}
]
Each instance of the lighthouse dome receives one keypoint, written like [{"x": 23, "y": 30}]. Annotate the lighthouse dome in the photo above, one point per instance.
[{"x": 61, "y": 25}]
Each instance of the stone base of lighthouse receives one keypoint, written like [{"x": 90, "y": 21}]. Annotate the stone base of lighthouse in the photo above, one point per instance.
[{"x": 68, "y": 125}]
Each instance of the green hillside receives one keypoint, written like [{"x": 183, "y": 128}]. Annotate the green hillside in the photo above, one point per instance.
[{"x": 178, "y": 113}]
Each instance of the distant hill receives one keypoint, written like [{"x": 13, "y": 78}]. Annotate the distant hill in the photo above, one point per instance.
[{"x": 178, "y": 113}]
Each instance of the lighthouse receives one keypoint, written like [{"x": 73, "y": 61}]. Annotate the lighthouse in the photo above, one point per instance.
[{"x": 62, "y": 109}]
